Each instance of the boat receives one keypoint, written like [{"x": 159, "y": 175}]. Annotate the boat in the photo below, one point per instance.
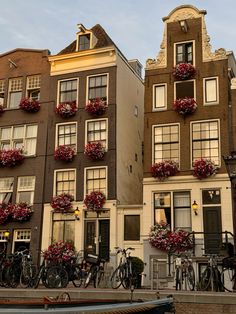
[{"x": 68, "y": 306}]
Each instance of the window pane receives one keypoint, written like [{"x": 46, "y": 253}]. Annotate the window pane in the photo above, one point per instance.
[
  {"x": 160, "y": 96},
  {"x": 211, "y": 90},
  {"x": 131, "y": 227},
  {"x": 14, "y": 99},
  {"x": 182, "y": 210}
]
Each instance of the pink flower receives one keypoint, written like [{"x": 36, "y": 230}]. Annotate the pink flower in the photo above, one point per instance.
[
  {"x": 164, "y": 169},
  {"x": 5, "y": 212},
  {"x": 29, "y": 105},
  {"x": 21, "y": 211},
  {"x": 11, "y": 157},
  {"x": 94, "y": 150},
  {"x": 64, "y": 152},
  {"x": 66, "y": 109},
  {"x": 184, "y": 71},
  {"x": 95, "y": 200},
  {"x": 62, "y": 202},
  {"x": 60, "y": 251},
  {"x": 203, "y": 168},
  {"x": 185, "y": 105},
  {"x": 96, "y": 106}
]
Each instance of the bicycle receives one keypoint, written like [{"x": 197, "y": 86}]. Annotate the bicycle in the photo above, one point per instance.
[
  {"x": 228, "y": 274},
  {"x": 184, "y": 274},
  {"x": 211, "y": 278},
  {"x": 123, "y": 274},
  {"x": 28, "y": 269},
  {"x": 96, "y": 270}
]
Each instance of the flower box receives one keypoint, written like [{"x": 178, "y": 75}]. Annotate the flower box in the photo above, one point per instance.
[
  {"x": 94, "y": 150},
  {"x": 66, "y": 109},
  {"x": 185, "y": 105},
  {"x": 64, "y": 152},
  {"x": 203, "y": 168},
  {"x": 162, "y": 238},
  {"x": 22, "y": 212},
  {"x": 5, "y": 212},
  {"x": 11, "y": 157},
  {"x": 62, "y": 203},
  {"x": 61, "y": 251},
  {"x": 96, "y": 106},
  {"x": 184, "y": 71},
  {"x": 29, "y": 105},
  {"x": 95, "y": 200},
  {"x": 1, "y": 110},
  {"x": 164, "y": 169}
]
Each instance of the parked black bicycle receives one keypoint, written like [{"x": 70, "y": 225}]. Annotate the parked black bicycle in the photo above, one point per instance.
[{"x": 96, "y": 271}]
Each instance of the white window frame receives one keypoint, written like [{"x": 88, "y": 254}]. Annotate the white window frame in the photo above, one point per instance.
[
  {"x": 35, "y": 88},
  {"x": 22, "y": 189},
  {"x": 208, "y": 103},
  {"x": 64, "y": 80},
  {"x": 184, "y": 42},
  {"x": 2, "y": 92},
  {"x": 55, "y": 180},
  {"x": 87, "y": 85},
  {"x": 17, "y": 233},
  {"x": 96, "y": 120},
  {"x": 84, "y": 32},
  {"x": 154, "y": 105},
  {"x": 57, "y": 133},
  {"x": 94, "y": 168},
  {"x": 179, "y": 82},
  {"x": 17, "y": 90},
  {"x": 9, "y": 190},
  {"x": 153, "y": 138},
  {"x": 191, "y": 139}
]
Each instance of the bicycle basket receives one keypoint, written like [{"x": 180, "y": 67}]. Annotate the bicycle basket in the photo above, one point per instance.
[
  {"x": 229, "y": 262},
  {"x": 92, "y": 259}
]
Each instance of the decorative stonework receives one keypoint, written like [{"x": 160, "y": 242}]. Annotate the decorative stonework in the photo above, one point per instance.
[
  {"x": 185, "y": 12},
  {"x": 233, "y": 83}
]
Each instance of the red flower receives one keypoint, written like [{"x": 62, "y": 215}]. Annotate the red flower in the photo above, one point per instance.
[
  {"x": 94, "y": 150},
  {"x": 96, "y": 106},
  {"x": 1, "y": 109},
  {"x": 11, "y": 157},
  {"x": 64, "y": 152},
  {"x": 5, "y": 212},
  {"x": 21, "y": 211},
  {"x": 203, "y": 168},
  {"x": 184, "y": 71},
  {"x": 60, "y": 251},
  {"x": 95, "y": 200},
  {"x": 185, "y": 105},
  {"x": 62, "y": 202},
  {"x": 164, "y": 169},
  {"x": 66, "y": 109},
  {"x": 29, "y": 105}
]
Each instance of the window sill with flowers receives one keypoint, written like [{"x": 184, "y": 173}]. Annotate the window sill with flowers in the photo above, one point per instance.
[
  {"x": 164, "y": 169},
  {"x": 204, "y": 168},
  {"x": 95, "y": 200},
  {"x": 62, "y": 203},
  {"x": 96, "y": 107},
  {"x": 184, "y": 71},
  {"x": 16, "y": 212},
  {"x": 29, "y": 105},
  {"x": 185, "y": 105},
  {"x": 66, "y": 109},
  {"x": 95, "y": 151},
  {"x": 11, "y": 157},
  {"x": 64, "y": 153}
]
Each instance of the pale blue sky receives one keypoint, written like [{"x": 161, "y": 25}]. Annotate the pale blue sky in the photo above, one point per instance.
[{"x": 135, "y": 26}]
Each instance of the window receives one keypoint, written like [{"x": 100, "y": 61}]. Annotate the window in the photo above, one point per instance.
[
  {"x": 84, "y": 42},
  {"x": 2, "y": 92},
  {"x": 162, "y": 207},
  {"x": 6, "y": 189},
  {"x": 131, "y": 227},
  {"x": 211, "y": 90},
  {"x": 66, "y": 134},
  {"x": 63, "y": 228},
  {"x": 184, "y": 89},
  {"x": 97, "y": 131},
  {"x": 25, "y": 189},
  {"x": 97, "y": 87},
  {"x": 205, "y": 141},
  {"x": 21, "y": 238},
  {"x": 159, "y": 96},
  {"x": 15, "y": 92},
  {"x": 20, "y": 136},
  {"x": 211, "y": 197},
  {"x": 65, "y": 182},
  {"x": 96, "y": 180},
  {"x": 182, "y": 211},
  {"x": 68, "y": 90},
  {"x": 184, "y": 53},
  {"x": 33, "y": 86},
  {"x": 166, "y": 143}
]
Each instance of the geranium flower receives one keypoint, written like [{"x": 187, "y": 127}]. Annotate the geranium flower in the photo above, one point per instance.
[
  {"x": 185, "y": 105},
  {"x": 164, "y": 169},
  {"x": 94, "y": 150},
  {"x": 95, "y": 200},
  {"x": 5, "y": 212},
  {"x": 22, "y": 211},
  {"x": 184, "y": 71},
  {"x": 60, "y": 251},
  {"x": 11, "y": 157},
  {"x": 66, "y": 109},
  {"x": 64, "y": 152},
  {"x": 203, "y": 168},
  {"x": 29, "y": 105},
  {"x": 96, "y": 106},
  {"x": 62, "y": 202}
]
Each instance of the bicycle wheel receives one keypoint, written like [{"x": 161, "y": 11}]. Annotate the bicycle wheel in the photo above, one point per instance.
[
  {"x": 227, "y": 279},
  {"x": 27, "y": 275},
  {"x": 178, "y": 279},
  {"x": 116, "y": 278},
  {"x": 91, "y": 276},
  {"x": 205, "y": 281},
  {"x": 99, "y": 277},
  {"x": 190, "y": 277},
  {"x": 13, "y": 275},
  {"x": 57, "y": 277},
  {"x": 77, "y": 276}
]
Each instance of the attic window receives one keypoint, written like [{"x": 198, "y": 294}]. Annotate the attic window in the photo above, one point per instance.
[{"x": 84, "y": 42}]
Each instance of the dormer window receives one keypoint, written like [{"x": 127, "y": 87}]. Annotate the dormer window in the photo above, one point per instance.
[
  {"x": 84, "y": 42},
  {"x": 184, "y": 53}
]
